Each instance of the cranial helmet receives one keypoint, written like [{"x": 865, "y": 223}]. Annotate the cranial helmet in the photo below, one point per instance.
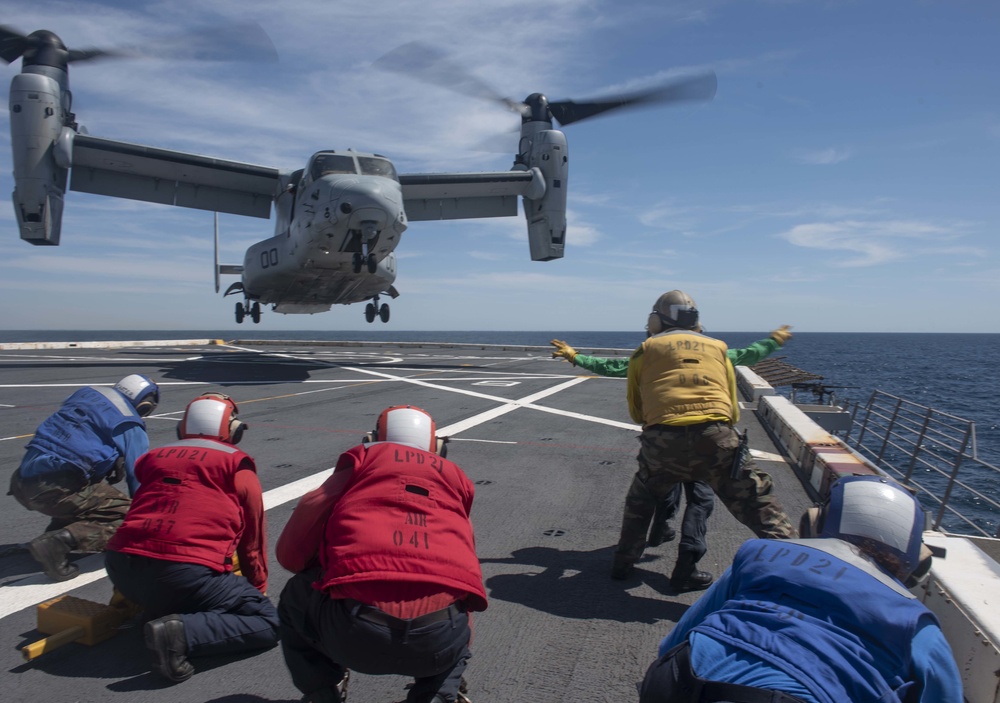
[
  {"x": 142, "y": 393},
  {"x": 673, "y": 309},
  {"x": 212, "y": 416},
  {"x": 409, "y": 425},
  {"x": 877, "y": 515}
]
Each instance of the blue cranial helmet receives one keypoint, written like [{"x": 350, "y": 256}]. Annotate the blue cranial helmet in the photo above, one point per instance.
[
  {"x": 142, "y": 393},
  {"x": 879, "y": 516}
]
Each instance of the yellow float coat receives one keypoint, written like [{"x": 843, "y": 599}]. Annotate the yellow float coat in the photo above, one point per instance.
[{"x": 681, "y": 377}]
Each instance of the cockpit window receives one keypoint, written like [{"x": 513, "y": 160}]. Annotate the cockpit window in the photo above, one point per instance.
[
  {"x": 332, "y": 163},
  {"x": 373, "y": 166}
]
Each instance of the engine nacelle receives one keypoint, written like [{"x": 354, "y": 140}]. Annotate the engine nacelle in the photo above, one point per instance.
[
  {"x": 40, "y": 166},
  {"x": 546, "y": 215}
]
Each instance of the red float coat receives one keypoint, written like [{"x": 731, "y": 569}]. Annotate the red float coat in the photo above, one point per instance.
[
  {"x": 390, "y": 528},
  {"x": 198, "y": 502}
]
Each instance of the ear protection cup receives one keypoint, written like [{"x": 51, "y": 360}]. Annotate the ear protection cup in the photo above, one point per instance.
[
  {"x": 811, "y": 523},
  {"x": 923, "y": 567},
  {"x": 145, "y": 407},
  {"x": 236, "y": 429},
  {"x": 442, "y": 447},
  {"x": 654, "y": 324}
]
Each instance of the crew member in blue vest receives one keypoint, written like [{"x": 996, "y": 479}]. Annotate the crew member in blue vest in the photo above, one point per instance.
[
  {"x": 67, "y": 472},
  {"x": 822, "y": 619}
]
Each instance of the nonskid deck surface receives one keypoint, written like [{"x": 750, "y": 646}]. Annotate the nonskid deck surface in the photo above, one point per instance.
[{"x": 550, "y": 448}]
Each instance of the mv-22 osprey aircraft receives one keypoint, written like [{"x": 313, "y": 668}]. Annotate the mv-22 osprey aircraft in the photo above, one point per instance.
[{"x": 338, "y": 220}]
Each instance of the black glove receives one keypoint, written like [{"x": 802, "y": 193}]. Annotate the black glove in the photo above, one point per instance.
[{"x": 117, "y": 472}]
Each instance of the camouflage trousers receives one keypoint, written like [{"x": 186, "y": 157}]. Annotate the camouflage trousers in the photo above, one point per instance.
[
  {"x": 91, "y": 512},
  {"x": 670, "y": 455}
]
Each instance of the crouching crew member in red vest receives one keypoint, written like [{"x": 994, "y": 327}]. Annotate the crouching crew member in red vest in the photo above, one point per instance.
[
  {"x": 386, "y": 568},
  {"x": 199, "y": 501}
]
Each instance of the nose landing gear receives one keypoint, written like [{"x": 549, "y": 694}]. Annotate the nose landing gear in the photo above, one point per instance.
[
  {"x": 373, "y": 308},
  {"x": 369, "y": 234},
  {"x": 361, "y": 261}
]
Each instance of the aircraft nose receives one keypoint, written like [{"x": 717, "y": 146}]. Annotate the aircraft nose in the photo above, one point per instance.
[{"x": 357, "y": 201}]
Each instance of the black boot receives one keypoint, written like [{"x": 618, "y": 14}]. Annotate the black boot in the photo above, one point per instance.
[
  {"x": 166, "y": 642},
  {"x": 686, "y": 577},
  {"x": 330, "y": 694},
  {"x": 51, "y": 550},
  {"x": 660, "y": 532},
  {"x": 621, "y": 568}
]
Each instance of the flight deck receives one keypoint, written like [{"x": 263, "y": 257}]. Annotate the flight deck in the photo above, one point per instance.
[{"x": 551, "y": 451}]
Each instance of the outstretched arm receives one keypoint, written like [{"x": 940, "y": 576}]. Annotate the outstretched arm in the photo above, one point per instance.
[
  {"x": 761, "y": 349},
  {"x": 615, "y": 368}
]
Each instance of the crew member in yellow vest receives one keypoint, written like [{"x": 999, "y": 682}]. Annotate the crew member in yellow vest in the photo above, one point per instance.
[{"x": 682, "y": 390}]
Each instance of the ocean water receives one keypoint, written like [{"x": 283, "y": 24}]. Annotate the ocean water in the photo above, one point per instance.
[{"x": 952, "y": 373}]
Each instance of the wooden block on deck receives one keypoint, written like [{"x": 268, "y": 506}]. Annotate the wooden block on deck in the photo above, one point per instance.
[{"x": 98, "y": 621}]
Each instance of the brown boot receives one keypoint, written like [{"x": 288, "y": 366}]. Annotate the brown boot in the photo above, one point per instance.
[
  {"x": 686, "y": 577},
  {"x": 51, "y": 550}
]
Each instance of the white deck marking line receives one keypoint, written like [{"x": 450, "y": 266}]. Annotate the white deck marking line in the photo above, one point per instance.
[
  {"x": 484, "y": 441},
  {"x": 508, "y": 405},
  {"x": 37, "y": 588}
]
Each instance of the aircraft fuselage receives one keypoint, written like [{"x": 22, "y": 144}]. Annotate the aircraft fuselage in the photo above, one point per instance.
[{"x": 336, "y": 220}]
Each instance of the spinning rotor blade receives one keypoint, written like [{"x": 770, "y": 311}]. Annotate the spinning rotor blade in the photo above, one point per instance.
[
  {"x": 43, "y": 47},
  {"x": 239, "y": 42},
  {"x": 432, "y": 66},
  {"x": 689, "y": 88},
  {"x": 246, "y": 41},
  {"x": 425, "y": 63}
]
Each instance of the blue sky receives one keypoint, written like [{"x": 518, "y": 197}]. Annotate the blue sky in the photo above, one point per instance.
[{"x": 845, "y": 178}]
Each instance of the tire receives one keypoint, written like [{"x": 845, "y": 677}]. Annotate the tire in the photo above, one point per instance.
[
  {"x": 383, "y": 312},
  {"x": 240, "y": 313},
  {"x": 370, "y": 312},
  {"x": 255, "y": 313}
]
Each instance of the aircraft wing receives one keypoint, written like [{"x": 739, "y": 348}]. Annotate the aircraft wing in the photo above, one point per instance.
[
  {"x": 455, "y": 196},
  {"x": 123, "y": 170}
]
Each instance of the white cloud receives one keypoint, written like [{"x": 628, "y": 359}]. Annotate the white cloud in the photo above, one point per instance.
[
  {"x": 824, "y": 157},
  {"x": 874, "y": 242}
]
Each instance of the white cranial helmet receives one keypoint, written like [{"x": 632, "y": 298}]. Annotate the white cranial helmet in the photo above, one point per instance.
[
  {"x": 142, "y": 393},
  {"x": 212, "y": 416},
  {"x": 405, "y": 424}
]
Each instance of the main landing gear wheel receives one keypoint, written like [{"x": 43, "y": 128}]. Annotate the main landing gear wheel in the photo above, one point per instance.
[
  {"x": 372, "y": 264},
  {"x": 240, "y": 313},
  {"x": 370, "y": 312},
  {"x": 357, "y": 261},
  {"x": 255, "y": 313},
  {"x": 383, "y": 312}
]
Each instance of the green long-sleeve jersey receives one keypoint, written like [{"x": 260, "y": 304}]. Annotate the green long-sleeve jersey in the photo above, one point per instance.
[{"x": 618, "y": 368}]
